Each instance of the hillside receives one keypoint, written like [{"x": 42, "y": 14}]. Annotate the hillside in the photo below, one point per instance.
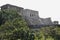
[{"x": 14, "y": 27}]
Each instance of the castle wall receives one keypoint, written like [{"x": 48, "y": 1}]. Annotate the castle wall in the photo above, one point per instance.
[
  {"x": 46, "y": 21},
  {"x": 31, "y": 16}
]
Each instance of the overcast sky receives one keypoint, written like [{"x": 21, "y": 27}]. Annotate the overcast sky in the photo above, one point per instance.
[{"x": 46, "y": 8}]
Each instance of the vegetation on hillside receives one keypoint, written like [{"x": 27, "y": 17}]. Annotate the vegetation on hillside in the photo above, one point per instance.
[
  {"x": 14, "y": 27},
  {"x": 50, "y": 33}
]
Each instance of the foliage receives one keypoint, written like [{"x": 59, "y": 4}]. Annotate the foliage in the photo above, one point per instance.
[
  {"x": 14, "y": 27},
  {"x": 52, "y": 32}
]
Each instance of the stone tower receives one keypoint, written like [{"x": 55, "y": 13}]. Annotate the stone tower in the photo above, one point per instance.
[{"x": 31, "y": 16}]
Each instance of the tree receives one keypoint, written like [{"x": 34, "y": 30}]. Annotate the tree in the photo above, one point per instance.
[
  {"x": 14, "y": 27},
  {"x": 13, "y": 23}
]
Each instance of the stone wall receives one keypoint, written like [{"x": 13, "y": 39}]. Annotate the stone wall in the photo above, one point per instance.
[
  {"x": 46, "y": 21},
  {"x": 31, "y": 16}
]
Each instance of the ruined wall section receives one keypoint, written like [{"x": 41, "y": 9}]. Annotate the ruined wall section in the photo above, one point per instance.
[
  {"x": 46, "y": 21},
  {"x": 9, "y": 7},
  {"x": 31, "y": 16}
]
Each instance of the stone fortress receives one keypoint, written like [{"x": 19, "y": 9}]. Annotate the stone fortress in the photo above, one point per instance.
[{"x": 31, "y": 16}]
